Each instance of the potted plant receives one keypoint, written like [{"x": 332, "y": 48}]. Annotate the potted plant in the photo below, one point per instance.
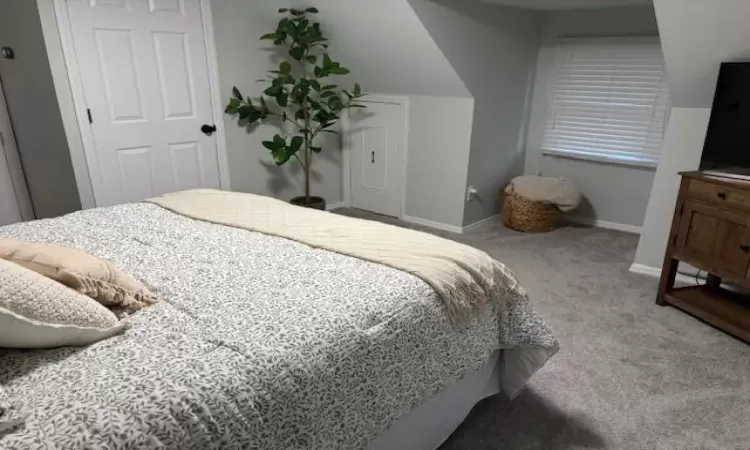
[{"x": 300, "y": 94}]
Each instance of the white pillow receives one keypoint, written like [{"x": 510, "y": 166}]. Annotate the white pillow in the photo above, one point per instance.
[{"x": 36, "y": 312}]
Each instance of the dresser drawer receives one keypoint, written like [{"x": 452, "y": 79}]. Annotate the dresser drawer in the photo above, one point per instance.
[{"x": 719, "y": 194}]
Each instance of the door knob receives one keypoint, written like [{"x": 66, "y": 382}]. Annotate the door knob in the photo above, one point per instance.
[{"x": 208, "y": 130}]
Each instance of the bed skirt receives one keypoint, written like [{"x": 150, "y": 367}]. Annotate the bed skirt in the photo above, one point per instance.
[{"x": 432, "y": 423}]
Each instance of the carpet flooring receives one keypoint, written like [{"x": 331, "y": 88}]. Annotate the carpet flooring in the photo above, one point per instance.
[{"x": 630, "y": 375}]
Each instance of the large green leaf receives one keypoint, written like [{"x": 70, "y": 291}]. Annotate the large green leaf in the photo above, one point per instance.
[
  {"x": 325, "y": 94},
  {"x": 297, "y": 53},
  {"x": 236, "y": 93},
  {"x": 273, "y": 91},
  {"x": 283, "y": 10},
  {"x": 233, "y": 105},
  {"x": 296, "y": 144},
  {"x": 327, "y": 62},
  {"x": 283, "y": 100},
  {"x": 280, "y": 156},
  {"x": 334, "y": 102},
  {"x": 328, "y": 87},
  {"x": 357, "y": 89},
  {"x": 322, "y": 116},
  {"x": 248, "y": 112},
  {"x": 269, "y": 37},
  {"x": 285, "y": 68},
  {"x": 279, "y": 141},
  {"x": 339, "y": 70}
]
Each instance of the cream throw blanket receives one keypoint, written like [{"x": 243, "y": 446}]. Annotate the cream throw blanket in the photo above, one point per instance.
[{"x": 463, "y": 277}]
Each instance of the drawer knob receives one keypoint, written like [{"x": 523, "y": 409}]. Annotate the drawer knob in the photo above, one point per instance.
[
  {"x": 722, "y": 195},
  {"x": 745, "y": 248}
]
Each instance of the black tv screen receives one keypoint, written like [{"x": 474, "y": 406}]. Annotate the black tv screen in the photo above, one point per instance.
[{"x": 728, "y": 138}]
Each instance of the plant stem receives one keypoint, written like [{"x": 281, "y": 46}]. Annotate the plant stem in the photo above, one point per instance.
[{"x": 306, "y": 165}]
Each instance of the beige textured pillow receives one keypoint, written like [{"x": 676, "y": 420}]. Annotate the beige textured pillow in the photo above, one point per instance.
[
  {"x": 37, "y": 312},
  {"x": 78, "y": 270}
]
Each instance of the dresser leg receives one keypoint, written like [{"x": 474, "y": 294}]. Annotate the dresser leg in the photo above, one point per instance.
[{"x": 666, "y": 283}]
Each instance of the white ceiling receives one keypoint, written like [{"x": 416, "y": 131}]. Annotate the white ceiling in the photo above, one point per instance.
[{"x": 550, "y": 5}]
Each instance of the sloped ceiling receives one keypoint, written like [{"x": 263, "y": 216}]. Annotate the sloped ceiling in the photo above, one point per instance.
[
  {"x": 388, "y": 48},
  {"x": 383, "y": 42},
  {"x": 696, "y": 37}
]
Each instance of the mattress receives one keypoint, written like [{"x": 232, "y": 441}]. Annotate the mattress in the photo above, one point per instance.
[{"x": 258, "y": 343}]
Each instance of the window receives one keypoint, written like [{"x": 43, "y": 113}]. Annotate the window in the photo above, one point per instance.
[{"x": 609, "y": 101}]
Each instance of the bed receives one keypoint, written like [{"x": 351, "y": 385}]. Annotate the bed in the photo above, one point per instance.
[{"x": 260, "y": 342}]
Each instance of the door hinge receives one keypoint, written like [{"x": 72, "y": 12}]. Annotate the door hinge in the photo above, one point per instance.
[{"x": 88, "y": 113}]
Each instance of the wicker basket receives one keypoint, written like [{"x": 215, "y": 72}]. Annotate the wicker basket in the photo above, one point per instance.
[{"x": 528, "y": 216}]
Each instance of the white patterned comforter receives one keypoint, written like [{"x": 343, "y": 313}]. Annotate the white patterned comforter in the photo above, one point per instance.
[{"x": 259, "y": 343}]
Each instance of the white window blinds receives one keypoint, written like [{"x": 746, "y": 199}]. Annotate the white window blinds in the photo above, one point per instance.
[{"x": 608, "y": 100}]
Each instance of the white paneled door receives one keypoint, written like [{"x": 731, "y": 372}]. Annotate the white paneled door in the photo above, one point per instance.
[
  {"x": 144, "y": 72},
  {"x": 377, "y": 159}
]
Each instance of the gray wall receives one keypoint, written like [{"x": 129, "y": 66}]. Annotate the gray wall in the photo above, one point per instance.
[
  {"x": 493, "y": 49},
  {"x": 612, "y": 193},
  {"x": 696, "y": 37},
  {"x": 388, "y": 51},
  {"x": 439, "y": 141},
  {"x": 34, "y": 111}
]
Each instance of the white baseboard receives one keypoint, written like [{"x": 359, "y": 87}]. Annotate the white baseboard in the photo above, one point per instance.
[
  {"x": 481, "y": 224},
  {"x": 605, "y": 224},
  {"x": 337, "y": 205},
  {"x": 432, "y": 224},
  {"x": 681, "y": 280}
]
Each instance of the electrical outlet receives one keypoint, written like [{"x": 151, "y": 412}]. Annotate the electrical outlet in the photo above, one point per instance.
[{"x": 472, "y": 193}]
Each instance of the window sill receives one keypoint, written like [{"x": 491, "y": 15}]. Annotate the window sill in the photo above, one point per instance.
[{"x": 600, "y": 159}]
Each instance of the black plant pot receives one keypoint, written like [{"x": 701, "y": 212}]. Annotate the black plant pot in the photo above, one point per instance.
[{"x": 314, "y": 203}]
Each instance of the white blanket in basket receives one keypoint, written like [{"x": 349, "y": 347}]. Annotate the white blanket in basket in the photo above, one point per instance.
[{"x": 558, "y": 191}]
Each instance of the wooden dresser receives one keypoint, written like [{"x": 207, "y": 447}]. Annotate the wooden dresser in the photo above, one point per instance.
[{"x": 711, "y": 231}]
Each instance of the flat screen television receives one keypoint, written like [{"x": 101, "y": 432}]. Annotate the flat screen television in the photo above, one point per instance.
[{"x": 727, "y": 143}]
